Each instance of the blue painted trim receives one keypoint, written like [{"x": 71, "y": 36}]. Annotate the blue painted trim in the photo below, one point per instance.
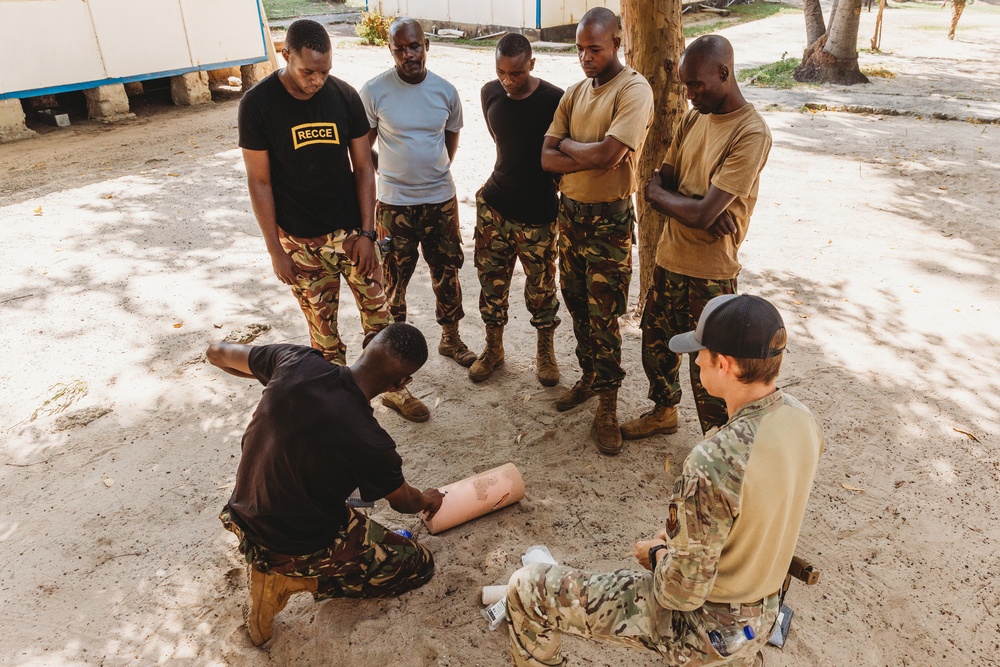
[
  {"x": 85, "y": 85},
  {"x": 263, "y": 37},
  {"x": 538, "y": 14}
]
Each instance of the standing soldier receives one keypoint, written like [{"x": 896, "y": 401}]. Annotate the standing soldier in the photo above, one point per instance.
[
  {"x": 707, "y": 188},
  {"x": 301, "y": 130},
  {"x": 594, "y": 141},
  {"x": 516, "y": 209},
  {"x": 416, "y": 117}
]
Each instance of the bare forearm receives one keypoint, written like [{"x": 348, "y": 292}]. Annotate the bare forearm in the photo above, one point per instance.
[
  {"x": 595, "y": 155},
  {"x": 685, "y": 210},
  {"x": 365, "y": 186},
  {"x": 262, "y": 200},
  {"x": 557, "y": 162},
  {"x": 406, "y": 500}
]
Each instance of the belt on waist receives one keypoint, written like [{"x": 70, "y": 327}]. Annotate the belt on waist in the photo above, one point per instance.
[
  {"x": 745, "y": 609},
  {"x": 600, "y": 209}
]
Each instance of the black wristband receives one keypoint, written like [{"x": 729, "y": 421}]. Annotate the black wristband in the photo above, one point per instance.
[
  {"x": 652, "y": 555},
  {"x": 371, "y": 236}
]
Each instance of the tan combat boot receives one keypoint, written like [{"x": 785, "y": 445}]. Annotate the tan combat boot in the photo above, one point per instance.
[
  {"x": 577, "y": 394},
  {"x": 452, "y": 346},
  {"x": 492, "y": 357},
  {"x": 609, "y": 435},
  {"x": 406, "y": 404},
  {"x": 661, "y": 419},
  {"x": 545, "y": 359},
  {"x": 269, "y": 593}
]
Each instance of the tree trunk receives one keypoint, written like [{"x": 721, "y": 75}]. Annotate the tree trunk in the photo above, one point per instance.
[
  {"x": 654, "y": 41},
  {"x": 833, "y": 58},
  {"x": 815, "y": 26}
]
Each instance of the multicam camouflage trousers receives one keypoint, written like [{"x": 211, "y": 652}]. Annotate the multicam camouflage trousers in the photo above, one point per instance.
[
  {"x": 673, "y": 306},
  {"x": 320, "y": 262},
  {"x": 366, "y": 560},
  {"x": 620, "y": 608},
  {"x": 500, "y": 242},
  {"x": 595, "y": 267},
  {"x": 434, "y": 229}
]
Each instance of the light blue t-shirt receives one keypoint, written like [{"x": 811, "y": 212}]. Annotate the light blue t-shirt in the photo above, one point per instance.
[{"x": 413, "y": 165}]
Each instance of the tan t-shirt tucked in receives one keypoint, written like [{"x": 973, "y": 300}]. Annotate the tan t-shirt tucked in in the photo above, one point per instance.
[
  {"x": 727, "y": 151},
  {"x": 622, "y": 108}
]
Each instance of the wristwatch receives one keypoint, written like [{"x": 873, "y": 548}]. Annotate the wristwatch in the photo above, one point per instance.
[
  {"x": 652, "y": 555},
  {"x": 370, "y": 235}
]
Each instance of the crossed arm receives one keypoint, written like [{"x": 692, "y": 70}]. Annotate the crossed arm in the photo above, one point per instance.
[
  {"x": 564, "y": 156},
  {"x": 708, "y": 213}
]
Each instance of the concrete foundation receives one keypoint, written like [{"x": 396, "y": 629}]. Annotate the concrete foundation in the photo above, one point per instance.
[
  {"x": 190, "y": 89},
  {"x": 107, "y": 104},
  {"x": 12, "y": 125},
  {"x": 254, "y": 74}
]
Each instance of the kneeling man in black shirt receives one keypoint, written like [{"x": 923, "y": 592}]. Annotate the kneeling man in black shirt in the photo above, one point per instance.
[{"x": 312, "y": 440}]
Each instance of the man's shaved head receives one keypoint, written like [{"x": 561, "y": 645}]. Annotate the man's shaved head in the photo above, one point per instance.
[
  {"x": 402, "y": 23},
  {"x": 711, "y": 49},
  {"x": 706, "y": 70},
  {"x": 599, "y": 17}
]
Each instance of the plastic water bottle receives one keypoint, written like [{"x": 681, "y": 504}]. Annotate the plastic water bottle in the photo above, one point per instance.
[
  {"x": 729, "y": 640},
  {"x": 405, "y": 533}
]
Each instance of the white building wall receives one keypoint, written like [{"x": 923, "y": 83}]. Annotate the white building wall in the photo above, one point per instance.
[
  {"x": 97, "y": 42},
  {"x": 512, "y": 13}
]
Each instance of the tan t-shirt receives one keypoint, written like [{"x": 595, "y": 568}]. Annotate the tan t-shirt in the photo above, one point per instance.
[
  {"x": 727, "y": 151},
  {"x": 622, "y": 108}
]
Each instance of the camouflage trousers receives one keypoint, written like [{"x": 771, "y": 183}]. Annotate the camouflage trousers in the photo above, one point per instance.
[
  {"x": 500, "y": 242},
  {"x": 366, "y": 560},
  {"x": 595, "y": 267},
  {"x": 320, "y": 262},
  {"x": 673, "y": 306},
  {"x": 433, "y": 228},
  {"x": 620, "y": 608}
]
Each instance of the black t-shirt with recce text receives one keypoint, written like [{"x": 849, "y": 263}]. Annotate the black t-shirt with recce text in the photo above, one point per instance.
[
  {"x": 307, "y": 142},
  {"x": 518, "y": 187},
  {"x": 311, "y": 441}
]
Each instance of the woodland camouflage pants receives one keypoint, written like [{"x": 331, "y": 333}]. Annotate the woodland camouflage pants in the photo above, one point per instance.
[
  {"x": 595, "y": 268},
  {"x": 433, "y": 228},
  {"x": 366, "y": 560},
  {"x": 673, "y": 306},
  {"x": 500, "y": 242},
  {"x": 320, "y": 262},
  {"x": 620, "y": 608}
]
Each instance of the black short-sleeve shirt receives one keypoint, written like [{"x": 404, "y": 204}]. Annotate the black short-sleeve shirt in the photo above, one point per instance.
[
  {"x": 518, "y": 187},
  {"x": 308, "y": 146},
  {"x": 312, "y": 440}
]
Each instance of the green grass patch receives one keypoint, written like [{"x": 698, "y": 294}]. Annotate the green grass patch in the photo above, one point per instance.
[
  {"x": 878, "y": 72},
  {"x": 775, "y": 75},
  {"x": 740, "y": 14},
  {"x": 287, "y": 9}
]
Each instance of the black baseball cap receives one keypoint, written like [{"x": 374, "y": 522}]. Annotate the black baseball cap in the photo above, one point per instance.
[{"x": 737, "y": 325}]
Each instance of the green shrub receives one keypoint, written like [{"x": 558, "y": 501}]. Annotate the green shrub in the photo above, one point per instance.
[{"x": 373, "y": 28}]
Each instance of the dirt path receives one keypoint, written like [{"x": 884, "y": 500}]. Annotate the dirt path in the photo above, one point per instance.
[{"x": 129, "y": 248}]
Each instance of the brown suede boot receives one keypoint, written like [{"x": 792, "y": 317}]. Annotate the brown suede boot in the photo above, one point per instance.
[
  {"x": 406, "y": 404},
  {"x": 577, "y": 394},
  {"x": 452, "y": 346},
  {"x": 492, "y": 357},
  {"x": 269, "y": 593},
  {"x": 661, "y": 419},
  {"x": 545, "y": 359},
  {"x": 609, "y": 435}
]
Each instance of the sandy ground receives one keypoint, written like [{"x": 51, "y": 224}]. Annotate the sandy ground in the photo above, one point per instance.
[{"x": 129, "y": 248}]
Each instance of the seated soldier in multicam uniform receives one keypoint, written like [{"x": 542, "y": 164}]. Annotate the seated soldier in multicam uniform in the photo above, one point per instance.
[{"x": 709, "y": 590}]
